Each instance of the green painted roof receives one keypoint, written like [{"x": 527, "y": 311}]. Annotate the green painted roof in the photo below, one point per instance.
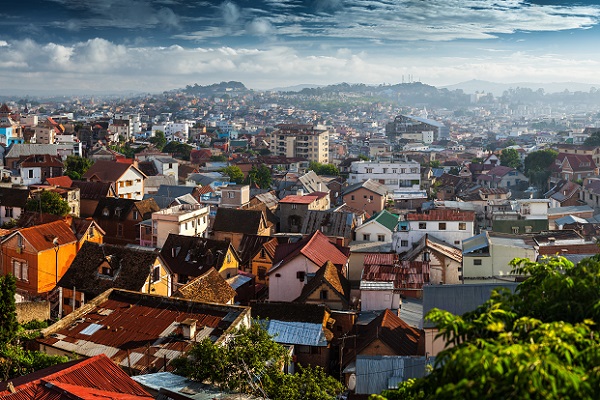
[{"x": 386, "y": 219}]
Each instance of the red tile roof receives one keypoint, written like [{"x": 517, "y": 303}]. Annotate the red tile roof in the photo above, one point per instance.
[
  {"x": 296, "y": 199},
  {"x": 443, "y": 215},
  {"x": 393, "y": 331},
  {"x": 63, "y": 181}
]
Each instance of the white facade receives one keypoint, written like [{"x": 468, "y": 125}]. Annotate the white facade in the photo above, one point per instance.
[
  {"x": 451, "y": 232},
  {"x": 373, "y": 231},
  {"x": 376, "y": 296},
  {"x": 166, "y": 166},
  {"x": 9, "y": 213},
  {"x": 286, "y": 283},
  {"x": 31, "y": 175},
  {"x": 182, "y": 219},
  {"x": 394, "y": 175},
  {"x": 130, "y": 185}
]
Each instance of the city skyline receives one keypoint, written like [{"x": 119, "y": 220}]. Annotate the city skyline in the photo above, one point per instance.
[{"x": 149, "y": 46}]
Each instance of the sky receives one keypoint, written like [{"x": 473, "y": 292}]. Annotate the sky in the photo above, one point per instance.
[{"x": 156, "y": 45}]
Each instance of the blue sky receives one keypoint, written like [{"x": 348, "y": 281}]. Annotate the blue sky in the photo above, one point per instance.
[{"x": 155, "y": 45}]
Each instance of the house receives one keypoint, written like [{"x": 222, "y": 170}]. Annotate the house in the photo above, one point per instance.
[
  {"x": 394, "y": 175},
  {"x": 369, "y": 195},
  {"x": 293, "y": 209},
  {"x": 210, "y": 287},
  {"x": 94, "y": 377},
  {"x": 68, "y": 194},
  {"x": 449, "y": 225},
  {"x": 90, "y": 194},
  {"x": 564, "y": 194},
  {"x": 235, "y": 196},
  {"x": 84, "y": 229},
  {"x": 379, "y": 227},
  {"x": 181, "y": 219},
  {"x": 249, "y": 246},
  {"x": 141, "y": 332},
  {"x": 306, "y": 327},
  {"x": 189, "y": 256},
  {"x": 294, "y": 262},
  {"x": 333, "y": 223},
  {"x": 12, "y": 203},
  {"x": 262, "y": 260},
  {"x": 167, "y": 166},
  {"x": 590, "y": 192},
  {"x": 39, "y": 256},
  {"x": 573, "y": 167},
  {"x": 36, "y": 169},
  {"x": 126, "y": 179},
  {"x": 445, "y": 260},
  {"x": 384, "y": 281},
  {"x": 119, "y": 218},
  {"x": 328, "y": 286},
  {"x": 20, "y": 152},
  {"x": 99, "y": 267},
  {"x": 501, "y": 176},
  {"x": 231, "y": 224}
]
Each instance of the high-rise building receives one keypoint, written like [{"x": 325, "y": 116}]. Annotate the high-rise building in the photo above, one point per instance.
[{"x": 301, "y": 141}]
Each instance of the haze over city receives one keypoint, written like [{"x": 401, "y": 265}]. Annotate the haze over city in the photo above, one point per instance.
[{"x": 147, "y": 46}]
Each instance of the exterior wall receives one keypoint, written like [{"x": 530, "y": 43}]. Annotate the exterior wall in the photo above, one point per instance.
[
  {"x": 192, "y": 223},
  {"x": 230, "y": 265},
  {"x": 393, "y": 175},
  {"x": 8, "y": 213},
  {"x": 313, "y": 145},
  {"x": 291, "y": 218},
  {"x": 161, "y": 287},
  {"x": 374, "y": 230},
  {"x": 377, "y": 348},
  {"x": 33, "y": 310},
  {"x": 363, "y": 199},
  {"x": 497, "y": 263},
  {"x": 434, "y": 345},
  {"x": 130, "y": 185},
  {"x": 235, "y": 196},
  {"x": 403, "y": 240},
  {"x": 287, "y": 287},
  {"x": 315, "y": 356},
  {"x": 31, "y": 175},
  {"x": 261, "y": 262},
  {"x": 332, "y": 300},
  {"x": 443, "y": 270},
  {"x": 236, "y": 238},
  {"x": 379, "y": 300}
]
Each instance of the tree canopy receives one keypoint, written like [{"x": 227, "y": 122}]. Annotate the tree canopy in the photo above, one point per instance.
[
  {"x": 260, "y": 175},
  {"x": 541, "y": 342},
  {"x": 76, "y": 166},
  {"x": 537, "y": 166},
  {"x": 51, "y": 203},
  {"x": 323, "y": 169},
  {"x": 179, "y": 150},
  {"x": 510, "y": 158},
  {"x": 234, "y": 172},
  {"x": 250, "y": 362},
  {"x": 593, "y": 139},
  {"x": 8, "y": 312},
  {"x": 158, "y": 140}
]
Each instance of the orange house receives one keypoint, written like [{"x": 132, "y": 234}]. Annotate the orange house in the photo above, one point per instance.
[{"x": 39, "y": 256}]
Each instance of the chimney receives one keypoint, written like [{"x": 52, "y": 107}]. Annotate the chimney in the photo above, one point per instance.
[
  {"x": 300, "y": 192},
  {"x": 188, "y": 327}
]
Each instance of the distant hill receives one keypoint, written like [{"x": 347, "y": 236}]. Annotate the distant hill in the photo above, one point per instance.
[
  {"x": 217, "y": 88},
  {"x": 497, "y": 89},
  {"x": 294, "y": 88}
]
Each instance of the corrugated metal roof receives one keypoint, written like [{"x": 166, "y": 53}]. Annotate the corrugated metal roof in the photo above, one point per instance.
[
  {"x": 299, "y": 333},
  {"x": 376, "y": 373}
]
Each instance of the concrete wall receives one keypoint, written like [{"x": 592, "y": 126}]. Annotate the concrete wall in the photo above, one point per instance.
[{"x": 30, "y": 311}]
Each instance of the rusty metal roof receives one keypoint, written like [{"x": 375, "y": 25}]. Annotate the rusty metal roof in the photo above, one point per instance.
[
  {"x": 140, "y": 332},
  {"x": 443, "y": 215},
  {"x": 41, "y": 237}
]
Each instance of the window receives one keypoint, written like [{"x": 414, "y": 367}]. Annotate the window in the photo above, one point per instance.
[
  {"x": 477, "y": 261},
  {"x": 262, "y": 253},
  {"x": 369, "y": 170},
  {"x": 294, "y": 206},
  {"x": 366, "y": 236},
  {"x": 462, "y": 226},
  {"x": 106, "y": 270},
  {"x": 30, "y": 173},
  {"x": 528, "y": 229},
  {"x": 323, "y": 294},
  {"x": 442, "y": 226},
  {"x": 404, "y": 243},
  {"x": 156, "y": 274},
  {"x": 515, "y": 230},
  {"x": 20, "y": 270},
  {"x": 457, "y": 242},
  {"x": 120, "y": 230},
  {"x": 91, "y": 231},
  {"x": 136, "y": 214},
  {"x": 300, "y": 275},
  {"x": 422, "y": 225},
  {"x": 381, "y": 238},
  {"x": 8, "y": 212},
  {"x": 262, "y": 273},
  {"x": 352, "y": 197},
  {"x": 230, "y": 195},
  {"x": 228, "y": 257},
  {"x": 394, "y": 170},
  {"x": 370, "y": 197}
]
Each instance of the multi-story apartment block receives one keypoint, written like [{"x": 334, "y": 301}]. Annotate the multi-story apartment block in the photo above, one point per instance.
[
  {"x": 182, "y": 219},
  {"x": 394, "y": 175},
  {"x": 301, "y": 141},
  {"x": 417, "y": 129}
]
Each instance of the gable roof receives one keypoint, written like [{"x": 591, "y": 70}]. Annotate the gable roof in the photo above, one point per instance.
[
  {"x": 331, "y": 223},
  {"x": 115, "y": 207},
  {"x": 316, "y": 247},
  {"x": 193, "y": 256},
  {"x": 63, "y": 181},
  {"x": 386, "y": 219},
  {"x": 431, "y": 242},
  {"x": 249, "y": 246},
  {"x": 394, "y": 332},
  {"x": 239, "y": 221},
  {"x": 93, "y": 190},
  {"x": 331, "y": 276},
  {"x": 41, "y": 237},
  {"x": 13, "y": 197},
  {"x": 131, "y": 268},
  {"x": 42, "y": 160},
  {"x": 209, "y": 287},
  {"x": 370, "y": 184},
  {"x": 108, "y": 171},
  {"x": 97, "y": 376}
]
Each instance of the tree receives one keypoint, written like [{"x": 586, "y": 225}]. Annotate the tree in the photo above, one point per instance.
[
  {"x": 76, "y": 166},
  {"x": 541, "y": 342},
  {"x": 51, "y": 203},
  {"x": 218, "y": 158},
  {"x": 593, "y": 139},
  {"x": 180, "y": 150},
  {"x": 323, "y": 169},
  {"x": 234, "y": 172},
  {"x": 158, "y": 140},
  {"x": 261, "y": 176},
  {"x": 510, "y": 158},
  {"x": 537, "y": 166},
  {"x": 250, "y": 362},
  {"x": 8, "y": 311}
]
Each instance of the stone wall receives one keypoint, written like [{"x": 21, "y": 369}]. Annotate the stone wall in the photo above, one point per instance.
[{"x": 29, "y": 311}]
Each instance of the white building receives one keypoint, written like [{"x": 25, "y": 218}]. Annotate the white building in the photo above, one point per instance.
[
  {"x": 394, "y": 175},
  {"x": 450, "y": 226},
  {"x": 182, "y": 219}
]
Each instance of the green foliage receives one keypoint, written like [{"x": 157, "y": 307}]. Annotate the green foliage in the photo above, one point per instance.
[
  {"x": 435, "y": 164},
  {"x": 218, "y": 158},
  {"x": 52, "y": 203},
  {"x": 158, "y": 140},
  {"x": 261, "y": 176},
  {"x": 179, "y": 150},
  {"x": 8, "y": 311},
  {"x": 323, "y": 169},
  {"x": 537, "y": 166},
  {"x": 593, "y": 139},
  {"x": 363, "y": 157},
  {"x": 541, "y": 342},
  {"x": 15, "y": 361},
  {"x": 250, "y": 362},
  {"x": 76, "y": 166},
  {"x": 510, "y": 158},
  {"x": 234, "y": 172}
]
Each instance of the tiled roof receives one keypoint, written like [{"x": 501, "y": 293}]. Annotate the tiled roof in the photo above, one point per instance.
[
  {"x": 250, "y": 245},
  {"x": 95, "y": 377},
  {"x": 388, "y": 259},
  {"x": 296, "y": 199},
  {"x": 63, "y": 181},
  {"x": 317, "y": 248},
  {"x": 370, "y": 185},
  {"x": 328, "y": 274},
  {"x": 406, "y": 274},
  {"x": 131, "y": 268},
  {"x": 239, "y": 221},
  {"x": 92, "y": 190},
  {"x": 442, "y": 215},
  {"x": 107, "y": 171},
  {"x": 42, "y": 160},
  {"x": 41, "y": 237},
  {"x": 209, "y": 287},
  {"x": 139, "y": 331},
  {"x": 500, "y": 171},
  {"x": 13, "y": 197}
]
